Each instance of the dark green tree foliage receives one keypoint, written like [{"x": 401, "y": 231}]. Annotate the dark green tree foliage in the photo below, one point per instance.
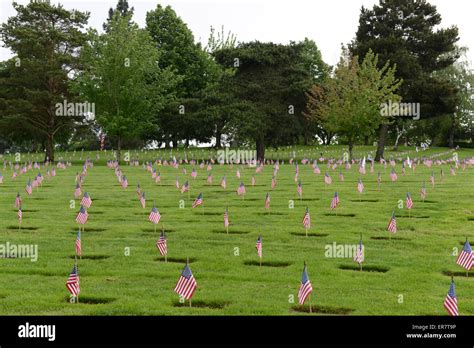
[
  {"x": 45, "y": 40},
  {"x": 269, "y": 83},
  {"x": 190, "y": 63},
  {"x": 122, "y": 9},
  {"x": 405, "y": 33}
]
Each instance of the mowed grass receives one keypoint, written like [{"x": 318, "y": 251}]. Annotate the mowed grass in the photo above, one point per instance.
[{"x": 408, "y": 274}]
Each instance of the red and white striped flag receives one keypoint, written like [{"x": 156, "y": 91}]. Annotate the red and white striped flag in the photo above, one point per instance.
[
  {"x": 307, "y": 220},
  {"x": 360, "y": 186},
  {"x": 162, "y": 245},
  {"x": 267, "y": 201},
  {"x": 72, "y": 283},
  {"x": 305, "y": 287},
  {"x": 78, "y": 243},
  {"x": 226, "y": 219},
  {"x": 17, "y": 200},
  {"x": 392, "y": 224},
  {"x": 86, "y": 200},
  {"x": 327, "y": 179},
  {"x": 154, "y": 215},
  {"x": 224, "y": 182},
  {"x": 82, "y": 216},
  {"x": 451, "y": 302},
  {"x": 335, "y": 201},
  {"x": 143, "y": 200},
  {"x": 259, "y": 247},
  {"x": 409, "y": 201},
  {"x": 186, "y": 285},
  {"x": 466, "y": 257}
]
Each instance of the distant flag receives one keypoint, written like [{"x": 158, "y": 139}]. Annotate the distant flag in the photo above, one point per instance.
[
  {"x": 82, "y": 216},
  {"x": 360, "y": 186},
  {"x": 466, "y": 257},
  {"x": 185, "y": 187},
  {"x": 442, "y": 173},
  {"x": 143, "y": 200},
  {"x": 194, "y": 173},
  {"x": 423, "y": 191},
  {"x": 29, "y": 188},
  {"x": 393, "y": 175},
  {"x": 224, "y": 182},
  {"x": 267, "y": 201},
  {"x": 1, "y": 178},
  {"x": 72, "y": 283},
  {"x": 451, "y": 302},
  {"x": 241, "y": 189},
  {"x": 139, "y": 190},
  {"x": 124, "y": 182},
  {"x": 17, "y": 200},
  {"x": 335, "y": 201},
  {"x": 305, "y": 287},
  {"x": 197, "y": 201},
  {"x": 226, "y": 219},
  {"x": 327, "y": 179},
  {"x": 158, "y": 177},
  {"x": 392, "y": 224},
  {"x": 253, "y": 180},
  {"x": 154, "y": 215},
  {"x": 359, "y": 254},
  {"x": 20, "y": 215},
  {"x": 452, "y": 171},
  {"x": 209, "y": 179},
  {"x": 274, "y": 182},
  {"x": 162, "y": 245},
  {"x": 186, "y": 284},
  {"x": 341, "y": 176},
  {"x": 432, "y": 179},
  {"x": 177, "y": 183},
  {"x": 409, "y": 201},
  {"x": 307, "y": 220},
  {"x": 238, "y": 173},
  {"x": 86, "y": 200},
  {"x": 258, "y": 246},
  {"x": 299, "y": 189},
  {"x": 77, "y": 191},
  {"x": 78, "y": 243}
]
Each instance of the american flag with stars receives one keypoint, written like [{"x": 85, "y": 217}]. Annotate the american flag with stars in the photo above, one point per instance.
[
  {"x": 392, "y": 224},
  {"x": 305, "y": 287},
  {"x": 466, "y": 257},
  {"x": 78, "y": 243},
  {"x": 307, "y": 219},
  {"x": 198, "y": 200},
  {"x": 162, "y": 245},
  {"x": 335, "y": 201},
  {"x": 154, "y": 215},
  {"x": 82, "y": 216},
  {"x": 86, "y": 200},
  {"x": 186, "y": 284},
  {"x": 451, "y": 302},
  {"x": 72, "y": 283},
  {"x": 259, "y": 247}
]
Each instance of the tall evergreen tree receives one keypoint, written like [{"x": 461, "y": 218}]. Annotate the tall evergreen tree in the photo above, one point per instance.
[{"x": 405, "y": 33}]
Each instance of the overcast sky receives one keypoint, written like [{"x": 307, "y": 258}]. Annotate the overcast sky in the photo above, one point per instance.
[{"x": 329, "y": 23}]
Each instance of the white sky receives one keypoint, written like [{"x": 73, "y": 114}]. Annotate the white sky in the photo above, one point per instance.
[{"x": 329, "y": 23}]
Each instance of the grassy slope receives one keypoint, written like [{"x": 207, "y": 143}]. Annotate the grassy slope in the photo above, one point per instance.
[{"x": 140, "y": 285}]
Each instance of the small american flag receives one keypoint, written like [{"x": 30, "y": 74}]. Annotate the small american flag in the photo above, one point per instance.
[
  {"x": 423, "y": 191},
  {"x": 253, "y": 180},
  {"x": 72, "y": 283},
  {"x": 341, "y": 176},
  {"x": 238, "y": 173},
  {"x": 258, "y": 246},
  {"x": 20, "y": 215},
  {"x": 124, "y": 182},
  {"x": 154, "y": 215},
  {"x": 78, "y": 243},
  {"x": 360, "y": 186},
  {"x": 29, "y": 188},
  {"x": 77, "y": 191},
  {"x": 241, "y": 189},
  {"x": 392, "y": 224},
  {"x": 451, "y": 302},
  {"x": 432, "y": 179},
  {"x": 267, "y": 201},
  {"x": 82, "y": 216},
  {"x": 274, "y": 182},
  {"x": 186, "y": 284},
  {"x": 162, "y": 245},
  {"x": 359, "y": 254},
  {"x": 466, "y": 257},
  {"x": 177, "y": 183},
  {"x": 299, "y": 189},
  {"x": 86, "y": 200},
  {"x": 224, "y": 182},
  {"x": 194, "y": 173},
  {"x": 307, "y": 220},
  {"x": 327, "y": 179},
  {"x": 226, "y": 218},
  {"x": 305, "y": 288},
  {"x": 335, "y": 201},
  {"x": 409, "y": 201},
  {"x": 198, "y": 200},
  {"x": 143, "y": 200},
  {"x": 209, "y": 179},
  {"x": 139, "y": 190},
  {"x": 185, "y": 187},
  {"x": 393, "y": 175},
  {"x": 17, "y": 200}
]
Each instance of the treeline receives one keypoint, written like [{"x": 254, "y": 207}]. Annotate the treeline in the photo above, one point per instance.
[{"x": 157, "y": 86}]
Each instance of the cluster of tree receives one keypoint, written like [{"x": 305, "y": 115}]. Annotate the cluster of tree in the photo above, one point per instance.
[{"x": 156, "y": 85}]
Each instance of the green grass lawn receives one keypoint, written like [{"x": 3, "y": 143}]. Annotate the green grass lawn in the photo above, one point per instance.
[{"x": 402, "y": 275}]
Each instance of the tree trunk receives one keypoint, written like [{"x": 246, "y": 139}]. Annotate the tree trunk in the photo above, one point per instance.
[
  {"x": 218, "y": 137},
  {"x": 351, "y": 147},
  {"x": 260, "y": 149},
  {"x": 381, "y": 142},
  {"x": 366, "y": 140},
  {"x": 49, "y": 155},
  {"x": 451, "y": 132}
]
